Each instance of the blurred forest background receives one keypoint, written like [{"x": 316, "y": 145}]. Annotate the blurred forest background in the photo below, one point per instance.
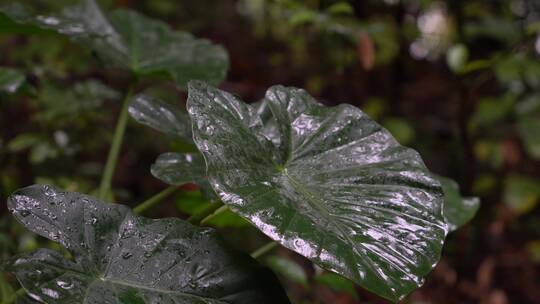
[{"x": 459, "y": 81}]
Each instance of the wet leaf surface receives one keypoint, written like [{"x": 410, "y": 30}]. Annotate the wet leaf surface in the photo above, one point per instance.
[
  {"x": 328, "y": 183},
  {"x": 119, "y": 257},
  {"x": 182, "y": 168},
  {"x": 458, "y": 210},
  {"x": 127, "y": 39},
  {"x": 160, "y": 116}
]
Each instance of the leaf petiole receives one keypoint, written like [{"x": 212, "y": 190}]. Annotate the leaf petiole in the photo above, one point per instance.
[
  {"x": 264, "y": 250},
  {"x": 114, "y": 151},
  {"x": 154, "y": 199},
  {"x": 219, "y": 211}
]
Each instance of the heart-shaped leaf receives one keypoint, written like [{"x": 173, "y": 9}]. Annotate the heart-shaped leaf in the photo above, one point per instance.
[
  {"x": 10, "y": 80},
  {"x": 333, "y": 186},
  {"x": 458, "y": 210},
  {"x": 119, "y": 257},
  {"x": 160, "y": 116},
  {"x": 129, "y": 40}
]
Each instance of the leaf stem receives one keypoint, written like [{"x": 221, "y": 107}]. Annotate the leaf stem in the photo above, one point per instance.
[
  {"x": 114, "y": 151},
  {"x": 14, "y": 296},
  {"x": 197, "y": 217},
  {"x": 154, "y": 199},
  {"x": 264, "y": 250},
  {"x": 219, "y": 211}
]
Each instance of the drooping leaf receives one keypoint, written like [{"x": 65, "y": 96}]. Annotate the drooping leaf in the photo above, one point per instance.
[
  {"x": 119, "y": 257},
  {"x": 10, "y": 80},
  {"x": 129, "y": 40},
  {"x": 334, "y": 186},
  {"x": 160, "y": 116},
  {"x": 182, "y": 168},
  {"x": 458, "y": 210}
]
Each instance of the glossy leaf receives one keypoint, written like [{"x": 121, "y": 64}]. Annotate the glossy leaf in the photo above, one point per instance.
[
  {"x": 127, "y": 39},
  {"x": 10, "y": 80},
  {"x": 458, "y": 210},
  {"x": 160, "y": 116},
  {"x": 182, "y": 168},
  {"x": 119, "y": 257},
  {"x": 333, "y": 185}
]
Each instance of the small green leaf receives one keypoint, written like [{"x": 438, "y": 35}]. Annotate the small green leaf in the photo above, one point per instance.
[
  {"x": 119, "y": 257},
  {"x": 521, "y": 193},
  {"x": 457, "y": 210},
  {"x": 160, "y": 116},
  {"x": 328, "y": 183},
  {"x": 183, "y": 168},
  {"x": 340, "y": 8},
  {"x": 457, "y": 57},
  {"x": 10, "y": 80},
  {"x": 289, "y": 269},
  {"x": 127, "y": 39}
]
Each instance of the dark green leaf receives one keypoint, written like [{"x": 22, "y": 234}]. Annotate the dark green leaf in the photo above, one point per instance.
[
  {"x": 127, "y": 39},
  {"x": 333, "y": 186},
  {"x": 457, "y": 210},
  {"x": 160, "y": 116},
  {"x": 119, "y": 257},
  {"x": 10, "y": 80}
]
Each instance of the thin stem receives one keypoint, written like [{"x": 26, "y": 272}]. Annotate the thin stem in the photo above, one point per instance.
[
  {"x": 154, "y": 199},
  {"x": 219, "y": 211},
  {"x": 264, "y": 250},
  {"x": 14, "y": 296},
  {"x": 197, "y": 217},
  {"x": 114, "y": 151}
]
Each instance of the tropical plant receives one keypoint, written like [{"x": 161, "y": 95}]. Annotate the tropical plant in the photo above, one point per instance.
[{"x": 328, "y": 183}]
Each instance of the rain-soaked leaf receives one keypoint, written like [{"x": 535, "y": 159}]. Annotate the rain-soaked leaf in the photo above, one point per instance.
[
  {"x": 458, "y": 210},
  {"x": 129, "y": 40},
  {"x": 331, "y": 184},
  {"x": 160, "y": 116},
  {"x": 182, "y": 168},
  {"x": 10, "y": 80},
  {"x": 119, "y": 257}
]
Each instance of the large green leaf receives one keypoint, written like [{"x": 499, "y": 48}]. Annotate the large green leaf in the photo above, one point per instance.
[
  {"x": 119, "y": 257},
  {"x": 127, "y": 39},
  {"x": 10, "y": 80},
  {"x": 458, "y": 210},
  {"x": 333, "y": 186}
]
